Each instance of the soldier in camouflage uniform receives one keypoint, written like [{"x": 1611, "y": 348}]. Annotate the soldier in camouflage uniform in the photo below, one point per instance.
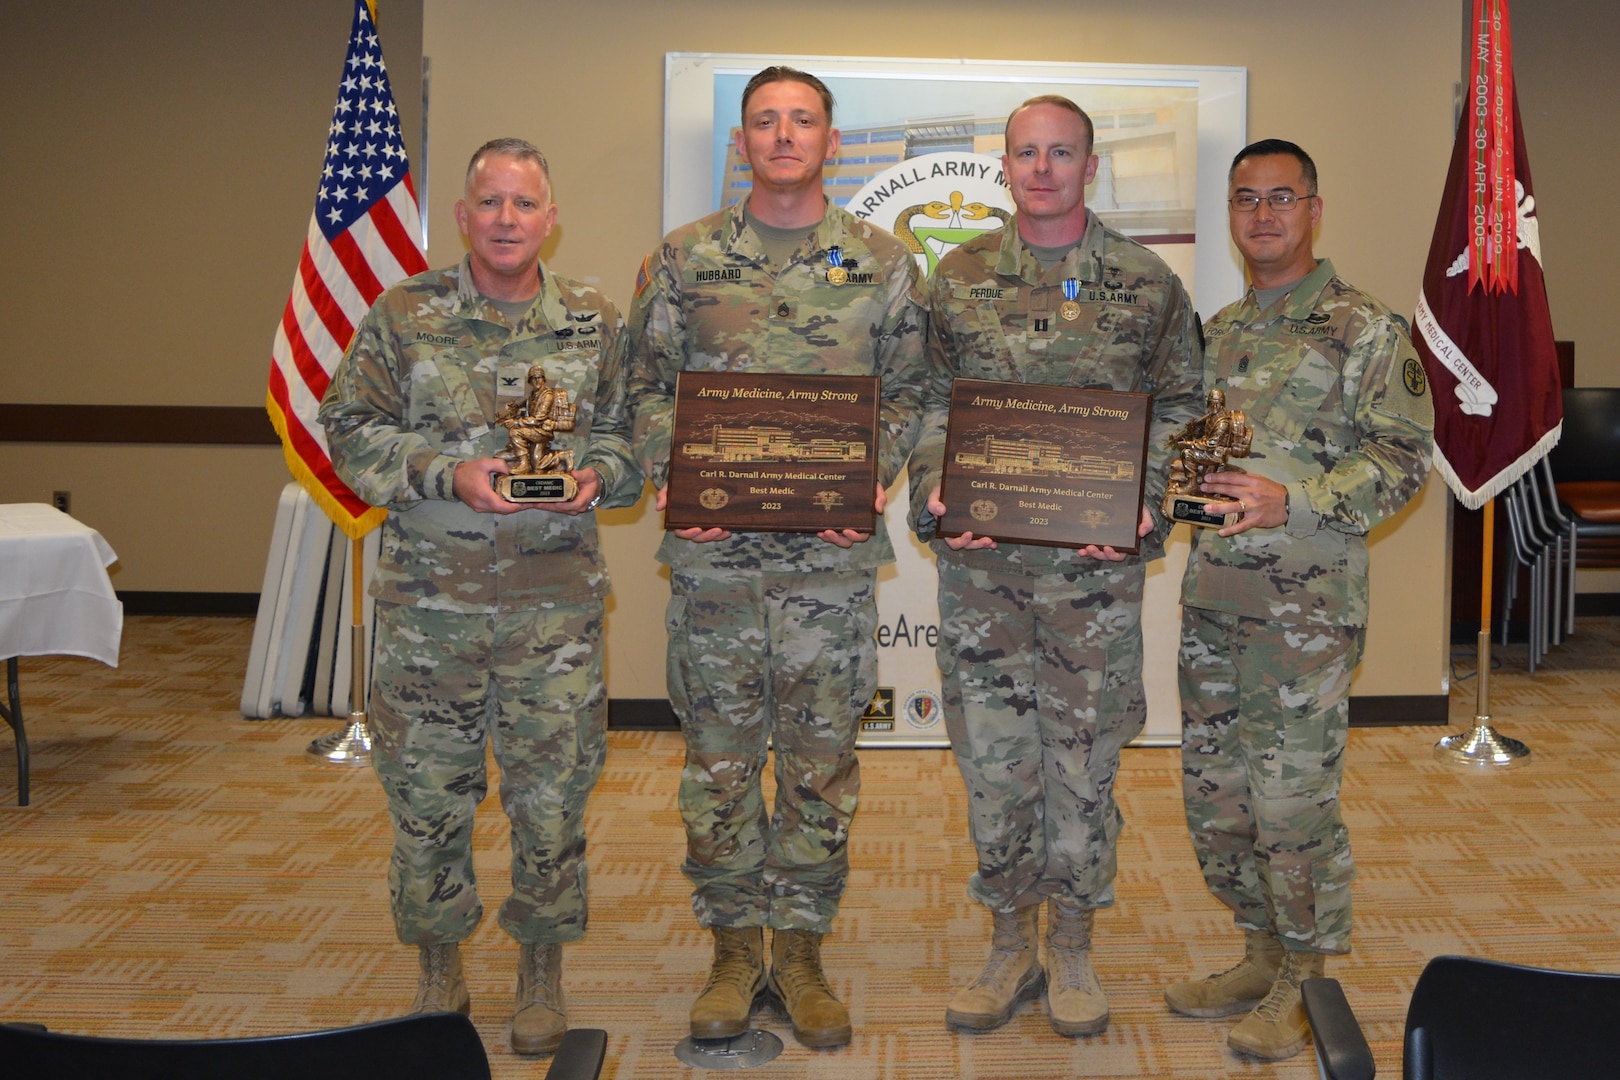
[
  {"x": 771, "y": 634},
  {"x": 1275, "y": 605},
  {"x": 1041, "y": 647},
  {"x": 489, "y": 614}
]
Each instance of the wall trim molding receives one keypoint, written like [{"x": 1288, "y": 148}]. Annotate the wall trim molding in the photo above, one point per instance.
[
  {"x": 641, "y": 714},
  {"x": 1377, "y": 710},
  {"x": 655, "y": 714},
  {"x": 1399, "y": 710},
  {"x": 237, "y": 604},
  {"x": 155, "y": 425}
]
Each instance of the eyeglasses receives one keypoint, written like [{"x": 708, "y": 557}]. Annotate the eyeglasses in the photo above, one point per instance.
[{"x": 1280, "y": 201}]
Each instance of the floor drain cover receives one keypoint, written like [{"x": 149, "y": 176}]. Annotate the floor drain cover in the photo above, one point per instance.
[{"x": 751, "y": 1048}]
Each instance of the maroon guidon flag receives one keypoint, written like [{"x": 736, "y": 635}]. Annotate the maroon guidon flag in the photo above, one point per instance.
[
  {"x": 361, "y": 239},
  {"x": 1482, "y": 325}
]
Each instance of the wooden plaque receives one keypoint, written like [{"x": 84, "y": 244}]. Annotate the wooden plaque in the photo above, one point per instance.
[
  {"x": 1054, "y": 465},
  {"x": 773, "y": 453}
]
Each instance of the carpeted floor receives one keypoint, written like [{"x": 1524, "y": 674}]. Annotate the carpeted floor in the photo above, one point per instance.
[{"x": 184, "y": 873}]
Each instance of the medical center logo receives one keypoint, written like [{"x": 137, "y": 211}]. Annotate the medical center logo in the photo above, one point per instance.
[
  {"x": 934, "y": 202},
  {"x": 1475, "y": 395},
  {"x": 923, "y": 709}
]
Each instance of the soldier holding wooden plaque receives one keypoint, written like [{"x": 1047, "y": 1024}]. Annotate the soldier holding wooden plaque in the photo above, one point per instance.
[
  {"x": 1040, "y": 335},
  {"x": 773, "y": 592}
]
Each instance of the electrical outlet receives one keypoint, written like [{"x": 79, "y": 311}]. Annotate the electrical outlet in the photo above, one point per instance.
[{"x": 63, "y": 501}]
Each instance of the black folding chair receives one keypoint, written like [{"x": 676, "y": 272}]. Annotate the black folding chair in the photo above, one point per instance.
[
  {"x": 444, "y": 1046},
  {"x": 1472, "y": 1019}
]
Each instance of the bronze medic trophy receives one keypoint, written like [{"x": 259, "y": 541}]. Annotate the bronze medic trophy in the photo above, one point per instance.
[
  {"x": 1203, "y": 447},
  {"x": 539, "y": 473}
]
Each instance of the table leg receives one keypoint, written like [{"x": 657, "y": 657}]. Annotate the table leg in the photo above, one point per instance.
[{"x": 13, "y": 716}]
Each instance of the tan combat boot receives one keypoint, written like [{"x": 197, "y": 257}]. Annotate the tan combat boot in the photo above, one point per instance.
[
  {"x": 539, "y": 1021},
  {"x": 1237, "y": 989},
  {"x": 441, "y": 987},
  {"x": 1011, "y": 975},
  {"x": 737, "y": 976},
  {"x": 819, "y": 1019},
  {"x": 1277, "y": 1027},
  {"x": 1075, "y": 1004}
]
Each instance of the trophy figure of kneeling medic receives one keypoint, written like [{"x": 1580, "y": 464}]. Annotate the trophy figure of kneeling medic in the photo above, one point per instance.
[
  {"x": 1204, "y": 446},
  {"x": 539, "y": 473}
]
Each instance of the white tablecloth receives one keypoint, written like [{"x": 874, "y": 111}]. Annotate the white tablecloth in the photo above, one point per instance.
[{"x": 55, "y": 596}]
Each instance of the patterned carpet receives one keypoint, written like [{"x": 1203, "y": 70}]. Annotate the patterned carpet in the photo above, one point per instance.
[{"x": 185, "y": 873}]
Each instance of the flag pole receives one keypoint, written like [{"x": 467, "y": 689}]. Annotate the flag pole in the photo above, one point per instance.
[
  {"x": 360, "y": 241},
  {"x": 1482, "y": 747},
  {"x": 352, "y": 745}
]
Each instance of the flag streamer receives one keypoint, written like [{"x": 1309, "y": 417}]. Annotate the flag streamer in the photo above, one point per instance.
[{"x": 1493, "y": 202}]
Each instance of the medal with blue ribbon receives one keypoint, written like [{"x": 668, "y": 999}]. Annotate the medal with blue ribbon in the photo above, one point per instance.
[
  {"x": 1070, "y": 308},
  {"x": 836, "y": 274}
]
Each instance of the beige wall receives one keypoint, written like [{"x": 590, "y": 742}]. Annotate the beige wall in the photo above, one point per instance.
[
  {"x": 145, "y": 266},
  {"x": 1382, "y": 69},
  {"x": 158, "y": 168},
  {"x": 158, "y": 165},
  {"x": 1565, "y": 54}
]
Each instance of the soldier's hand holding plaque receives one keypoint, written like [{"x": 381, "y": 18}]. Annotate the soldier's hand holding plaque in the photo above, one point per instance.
[
  {"x": 1054, "y": 465},
  {"x": 539, "y": 473},
  {"x": 1202, "y": 447}
]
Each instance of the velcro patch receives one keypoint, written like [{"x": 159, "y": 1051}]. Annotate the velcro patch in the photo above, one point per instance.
[
  {"x": 1413, "y": 376},
  {"x": 984, "y": 292}
]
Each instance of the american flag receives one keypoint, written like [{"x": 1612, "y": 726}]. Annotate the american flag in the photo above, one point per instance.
[{"x": 361, "y": 240}]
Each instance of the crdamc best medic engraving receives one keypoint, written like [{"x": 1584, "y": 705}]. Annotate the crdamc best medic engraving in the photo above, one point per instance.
[
  {"x": 1027, "y": 463},
  {"x": 773, "y": 453}
]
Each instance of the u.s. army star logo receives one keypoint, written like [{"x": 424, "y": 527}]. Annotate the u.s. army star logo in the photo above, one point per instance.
[
  {"x": 1412, "y": 376},
  {"x": 713, "y": 498}
]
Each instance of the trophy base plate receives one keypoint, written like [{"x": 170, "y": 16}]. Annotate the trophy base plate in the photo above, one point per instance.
[
  {"x": 1190, "y": 509},
  {"x": 536, "y": 487}
]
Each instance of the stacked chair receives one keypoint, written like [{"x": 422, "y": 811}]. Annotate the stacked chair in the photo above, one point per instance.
[
  {"x": 1541, "y": 539},
  {"x": 1586, "y": 470},
  {"x": 1562, "y": 515},
  {"x": 1529, "y": 551}
]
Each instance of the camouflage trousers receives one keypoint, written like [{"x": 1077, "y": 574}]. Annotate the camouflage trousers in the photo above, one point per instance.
[
  {"x": 446, "y": 685},
  {"x": 1042, "y": 680},
  {"x": 789, "y": 661},
  {"x": 1265, "y": 717}
]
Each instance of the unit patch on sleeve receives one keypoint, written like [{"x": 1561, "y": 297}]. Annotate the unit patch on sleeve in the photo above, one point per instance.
[{"x": 1412, "y": 375}]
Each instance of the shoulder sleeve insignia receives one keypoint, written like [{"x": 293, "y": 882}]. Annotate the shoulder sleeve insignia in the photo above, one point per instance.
[
  {"x": 644, "y": 276},
  {"x": 1412, "y": 375}
]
